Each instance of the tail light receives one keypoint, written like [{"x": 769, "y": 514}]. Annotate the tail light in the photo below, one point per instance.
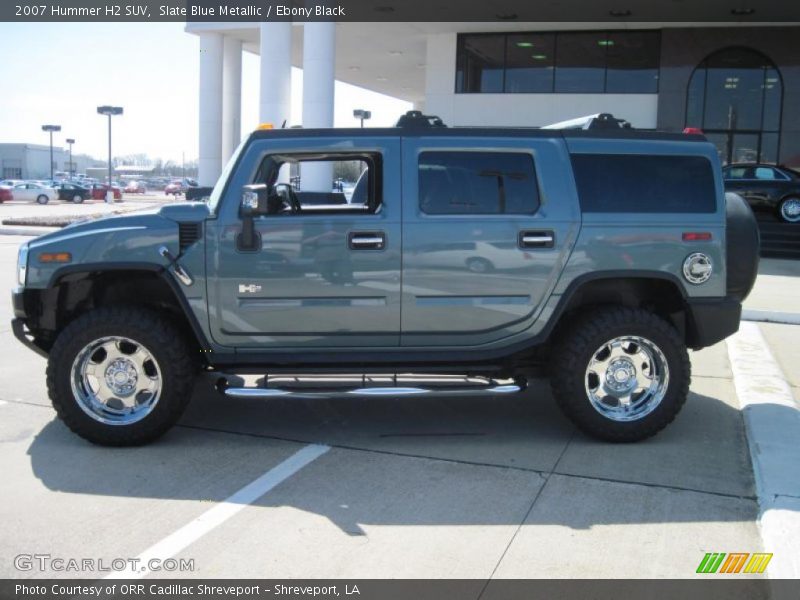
[{"x": 696, "y": 236}]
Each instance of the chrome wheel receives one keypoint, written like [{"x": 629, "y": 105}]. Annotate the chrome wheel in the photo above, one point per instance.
[
  {"x": 116, "y": 380},
  {"x": 790, "y": 210},
  {"x": 627, "y": 378}
]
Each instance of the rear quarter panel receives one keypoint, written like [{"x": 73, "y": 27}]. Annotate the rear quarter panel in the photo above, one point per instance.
[{"x": 640, "y": 242}]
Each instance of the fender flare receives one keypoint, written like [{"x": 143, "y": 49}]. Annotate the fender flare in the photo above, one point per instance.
[{"x": 160, "y": 270}]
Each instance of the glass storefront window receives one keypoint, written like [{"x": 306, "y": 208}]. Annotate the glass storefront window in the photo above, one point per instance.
[
  {"x": 744, "y": 148},
  {"x": 772, "y": 99},
  {"x": 581, "y": 62},
  {"x": 529, "y": 63},
  {"x": 769, "y": 148},
  {"x": 633, "y": 59},
  {"x": 614, "y": 62},
  {"x": 481, "y": 60},
  {"x": 735, "y": 97}
]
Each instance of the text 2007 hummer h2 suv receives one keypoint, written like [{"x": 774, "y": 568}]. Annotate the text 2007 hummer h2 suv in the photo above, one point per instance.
[{"x": 462, "y": 261}]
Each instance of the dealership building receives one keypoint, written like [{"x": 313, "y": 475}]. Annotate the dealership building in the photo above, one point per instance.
[
  {"x": 738, "y": 82},
  {"x": 32, "y": 161}
]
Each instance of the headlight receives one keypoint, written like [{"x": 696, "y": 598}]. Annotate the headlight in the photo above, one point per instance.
[{"x": 22, "y": 263}]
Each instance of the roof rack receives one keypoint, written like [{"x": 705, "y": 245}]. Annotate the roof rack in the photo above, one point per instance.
[
  {"x": 598, "y": 121},
  {"x": 415, "y": 119}
]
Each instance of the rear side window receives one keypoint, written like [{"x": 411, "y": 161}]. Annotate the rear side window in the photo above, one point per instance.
[
  {"x": 644, "y": 183},
  {"x": 477, "y": 183}
]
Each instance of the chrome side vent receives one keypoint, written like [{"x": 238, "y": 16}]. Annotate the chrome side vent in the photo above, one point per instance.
[{"x": 188, "y": 234}]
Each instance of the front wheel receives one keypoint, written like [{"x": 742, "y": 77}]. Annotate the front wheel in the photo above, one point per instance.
[
  {"x": 42, "y": 199},
  {"x": 120, "y": 376},
  {"x": 77, "y": 199},
  {"x": 789, "y": 210},
  {"x": 621, "y": 374}
]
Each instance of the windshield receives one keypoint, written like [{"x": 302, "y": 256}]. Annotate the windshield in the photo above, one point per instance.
[{"x": 216, "y": 194}]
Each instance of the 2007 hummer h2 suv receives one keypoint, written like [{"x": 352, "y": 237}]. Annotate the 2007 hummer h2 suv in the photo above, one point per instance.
[{"x": 462, "y": 261}]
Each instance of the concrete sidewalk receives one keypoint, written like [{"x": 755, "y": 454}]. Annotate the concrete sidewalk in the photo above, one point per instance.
[{"x": 777, "y": 288}]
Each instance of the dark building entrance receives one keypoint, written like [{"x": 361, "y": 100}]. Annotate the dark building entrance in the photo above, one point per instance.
[{"x": 735, "y": 96}]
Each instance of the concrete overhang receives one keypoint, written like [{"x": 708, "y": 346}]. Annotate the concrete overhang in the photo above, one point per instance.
[{"x": 389, "y": 57}]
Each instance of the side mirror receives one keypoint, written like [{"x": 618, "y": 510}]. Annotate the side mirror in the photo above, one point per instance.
[
  {"x": 253, "y": 203},
  {"x": 254, "y": 200}
]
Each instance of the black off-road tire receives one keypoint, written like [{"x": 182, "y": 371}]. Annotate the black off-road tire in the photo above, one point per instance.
[
  {"x": 163, "y": 341},
  {"x": 576, "y": 348}
]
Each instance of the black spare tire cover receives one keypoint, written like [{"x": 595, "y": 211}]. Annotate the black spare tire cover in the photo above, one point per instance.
[{"x": 742, "y": 246}]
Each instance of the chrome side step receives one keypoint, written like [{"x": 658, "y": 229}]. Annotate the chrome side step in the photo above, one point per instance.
[{"x": 295, "y": 388}]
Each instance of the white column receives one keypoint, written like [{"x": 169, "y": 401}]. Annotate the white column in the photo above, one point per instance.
[
  {"x": 210, "y": 151},
  {"x": 231, "y": 96},
  {"x": 319, "y": 51},
  {"x": 275, "y": 73}
]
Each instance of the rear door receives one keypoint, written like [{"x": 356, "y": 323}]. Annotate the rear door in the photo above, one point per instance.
[{"x": 487, "y": 226}]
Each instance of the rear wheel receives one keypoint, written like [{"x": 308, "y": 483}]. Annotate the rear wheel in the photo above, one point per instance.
[
  {"x": 789, "y": 210},
  {"x": 621, "y": 374},
  {"x": 77, "y": 199},
  {"x": 120, "y": 376},
  {"x": 42, "y": 199}
]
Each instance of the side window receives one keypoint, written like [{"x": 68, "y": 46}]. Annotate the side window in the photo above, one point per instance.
[
  {"x": 736, "y": 173},
  {"x": 319, "y": 183},
  {"x": 768, "y": 173},
  {"x": 644, "y": 183},
  {"x": 477, "y": 183}
]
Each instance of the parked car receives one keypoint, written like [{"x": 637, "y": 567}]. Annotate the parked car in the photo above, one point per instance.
[
  {"x": 766, "y": 188},
  {"x": 135, "y": 187},
  {"x": 5, "y": 193},
  {"x": 72, "y": 192},
  {"x": 178, "y": 187},
  {"x": 174, "y": 188},
  {"x": 280, "y": 286},
  {"x": 34, "y": 192},
  {"x": 12, "y": 182},
  {"x": 99, "y": 191}
]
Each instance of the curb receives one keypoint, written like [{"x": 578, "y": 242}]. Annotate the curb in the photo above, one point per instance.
[
  {"x": 772, "y": 425},
  {"x": 769, "y": 316}
]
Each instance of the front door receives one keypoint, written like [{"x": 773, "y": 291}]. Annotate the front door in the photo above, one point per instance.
[
  {"x": 485, "y": 234},
  {"x": 326, "y": 269}
]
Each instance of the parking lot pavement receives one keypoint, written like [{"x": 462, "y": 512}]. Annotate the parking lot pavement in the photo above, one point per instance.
[{"x": 475, "y": 488}]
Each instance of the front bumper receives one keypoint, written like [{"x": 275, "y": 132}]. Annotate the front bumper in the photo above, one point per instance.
[
  {"x": 18, "y": 302},
  {"x": 711, "y": 320},
  {"x": 18, "y": 327},
  {"x": 18, "y": 322}
]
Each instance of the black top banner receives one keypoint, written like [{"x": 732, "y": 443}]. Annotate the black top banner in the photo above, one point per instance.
[{"x": 614, "y": 11}]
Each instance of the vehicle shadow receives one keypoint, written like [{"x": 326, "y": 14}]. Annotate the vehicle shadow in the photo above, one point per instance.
[{"x": 452, "y": 462}]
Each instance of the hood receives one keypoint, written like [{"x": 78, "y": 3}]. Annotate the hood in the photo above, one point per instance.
[{"x": 184, "y": 212}]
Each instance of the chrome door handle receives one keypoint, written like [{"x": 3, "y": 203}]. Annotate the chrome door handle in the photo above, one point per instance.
[
  {"x": 366, "y": 240},
  {"x": 536, "y": 239}
]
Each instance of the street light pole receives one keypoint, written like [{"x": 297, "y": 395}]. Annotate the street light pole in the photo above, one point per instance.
[
  {"x": 110, "y": 111},
  {"x": 71, "y": 141},
  {"x": 51, "y": 129},
  {"x": 362, "y": 115}
]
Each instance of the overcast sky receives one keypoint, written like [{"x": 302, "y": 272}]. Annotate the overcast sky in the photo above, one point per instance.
[{"x": 60, "y": 72}]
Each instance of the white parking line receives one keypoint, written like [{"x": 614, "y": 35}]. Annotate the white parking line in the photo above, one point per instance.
[
  {"x": 772, "y": 423},
  {"x": 191, "y": 532}
]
